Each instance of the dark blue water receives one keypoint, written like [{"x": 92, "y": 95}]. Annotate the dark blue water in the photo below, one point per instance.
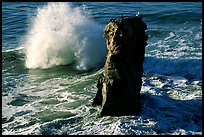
[{"x": 53, "y": 53}]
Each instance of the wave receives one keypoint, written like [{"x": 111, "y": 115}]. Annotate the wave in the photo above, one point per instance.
[
  {"x": 13, "y": 62},
  {"x": 61, "y": 35},
  {"x": 13, "y": 55},
  {"x": 189, "y": 68}
]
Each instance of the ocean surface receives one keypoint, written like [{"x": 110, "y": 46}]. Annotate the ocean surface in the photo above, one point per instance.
[{"x": 53, "y": 54}]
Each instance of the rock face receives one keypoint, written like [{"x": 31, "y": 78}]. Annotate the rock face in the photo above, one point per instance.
[{"x": 120, "y": 84}]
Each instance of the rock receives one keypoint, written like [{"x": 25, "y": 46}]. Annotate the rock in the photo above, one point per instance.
[{"x": 120, "y": 84}]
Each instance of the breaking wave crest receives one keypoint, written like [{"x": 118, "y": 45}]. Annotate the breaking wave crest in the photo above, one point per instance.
[
  {"x": 189, "y": 68},
  {"x": 62, "y": 35}
]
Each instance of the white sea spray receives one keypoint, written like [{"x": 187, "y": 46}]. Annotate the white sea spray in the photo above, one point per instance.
[{"x": 62, "y": 35}]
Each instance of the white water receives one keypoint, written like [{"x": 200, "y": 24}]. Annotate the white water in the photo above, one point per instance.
[
  {"x": 191, "y": 68},
  {"x": 170, "y": 106},
  {"x": 40, "y": 102},
  {"x": 62, "y": 35}
]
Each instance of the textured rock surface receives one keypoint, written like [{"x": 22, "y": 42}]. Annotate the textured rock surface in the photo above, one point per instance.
[{"x": 120, "y": 84}]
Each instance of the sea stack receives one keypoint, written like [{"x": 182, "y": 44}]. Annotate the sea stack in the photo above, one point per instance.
[{"x": 120, "y": 84}]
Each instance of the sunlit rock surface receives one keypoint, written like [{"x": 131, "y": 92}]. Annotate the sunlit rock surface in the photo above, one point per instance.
[{"x": 120, "y": 84}]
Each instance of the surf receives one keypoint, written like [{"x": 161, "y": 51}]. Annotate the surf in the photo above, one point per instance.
[{"x": 62, "y": 35}]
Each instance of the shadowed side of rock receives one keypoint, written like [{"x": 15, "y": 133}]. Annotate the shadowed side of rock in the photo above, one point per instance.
[{"x": 120, "y": 84}]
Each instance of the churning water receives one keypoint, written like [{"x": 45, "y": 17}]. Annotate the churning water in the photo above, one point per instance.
[{"x": 53, "y": 54}]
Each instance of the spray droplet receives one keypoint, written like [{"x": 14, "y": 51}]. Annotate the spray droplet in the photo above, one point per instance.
[{"x": 138, "y": 13}]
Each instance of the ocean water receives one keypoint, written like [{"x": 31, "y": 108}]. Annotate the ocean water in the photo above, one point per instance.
[{"x": 53, "y": 54}]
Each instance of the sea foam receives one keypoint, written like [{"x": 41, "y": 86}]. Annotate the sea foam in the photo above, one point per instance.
[
  {"x": 62, "y": 35},
  {"x": 190, "y": 68}
]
